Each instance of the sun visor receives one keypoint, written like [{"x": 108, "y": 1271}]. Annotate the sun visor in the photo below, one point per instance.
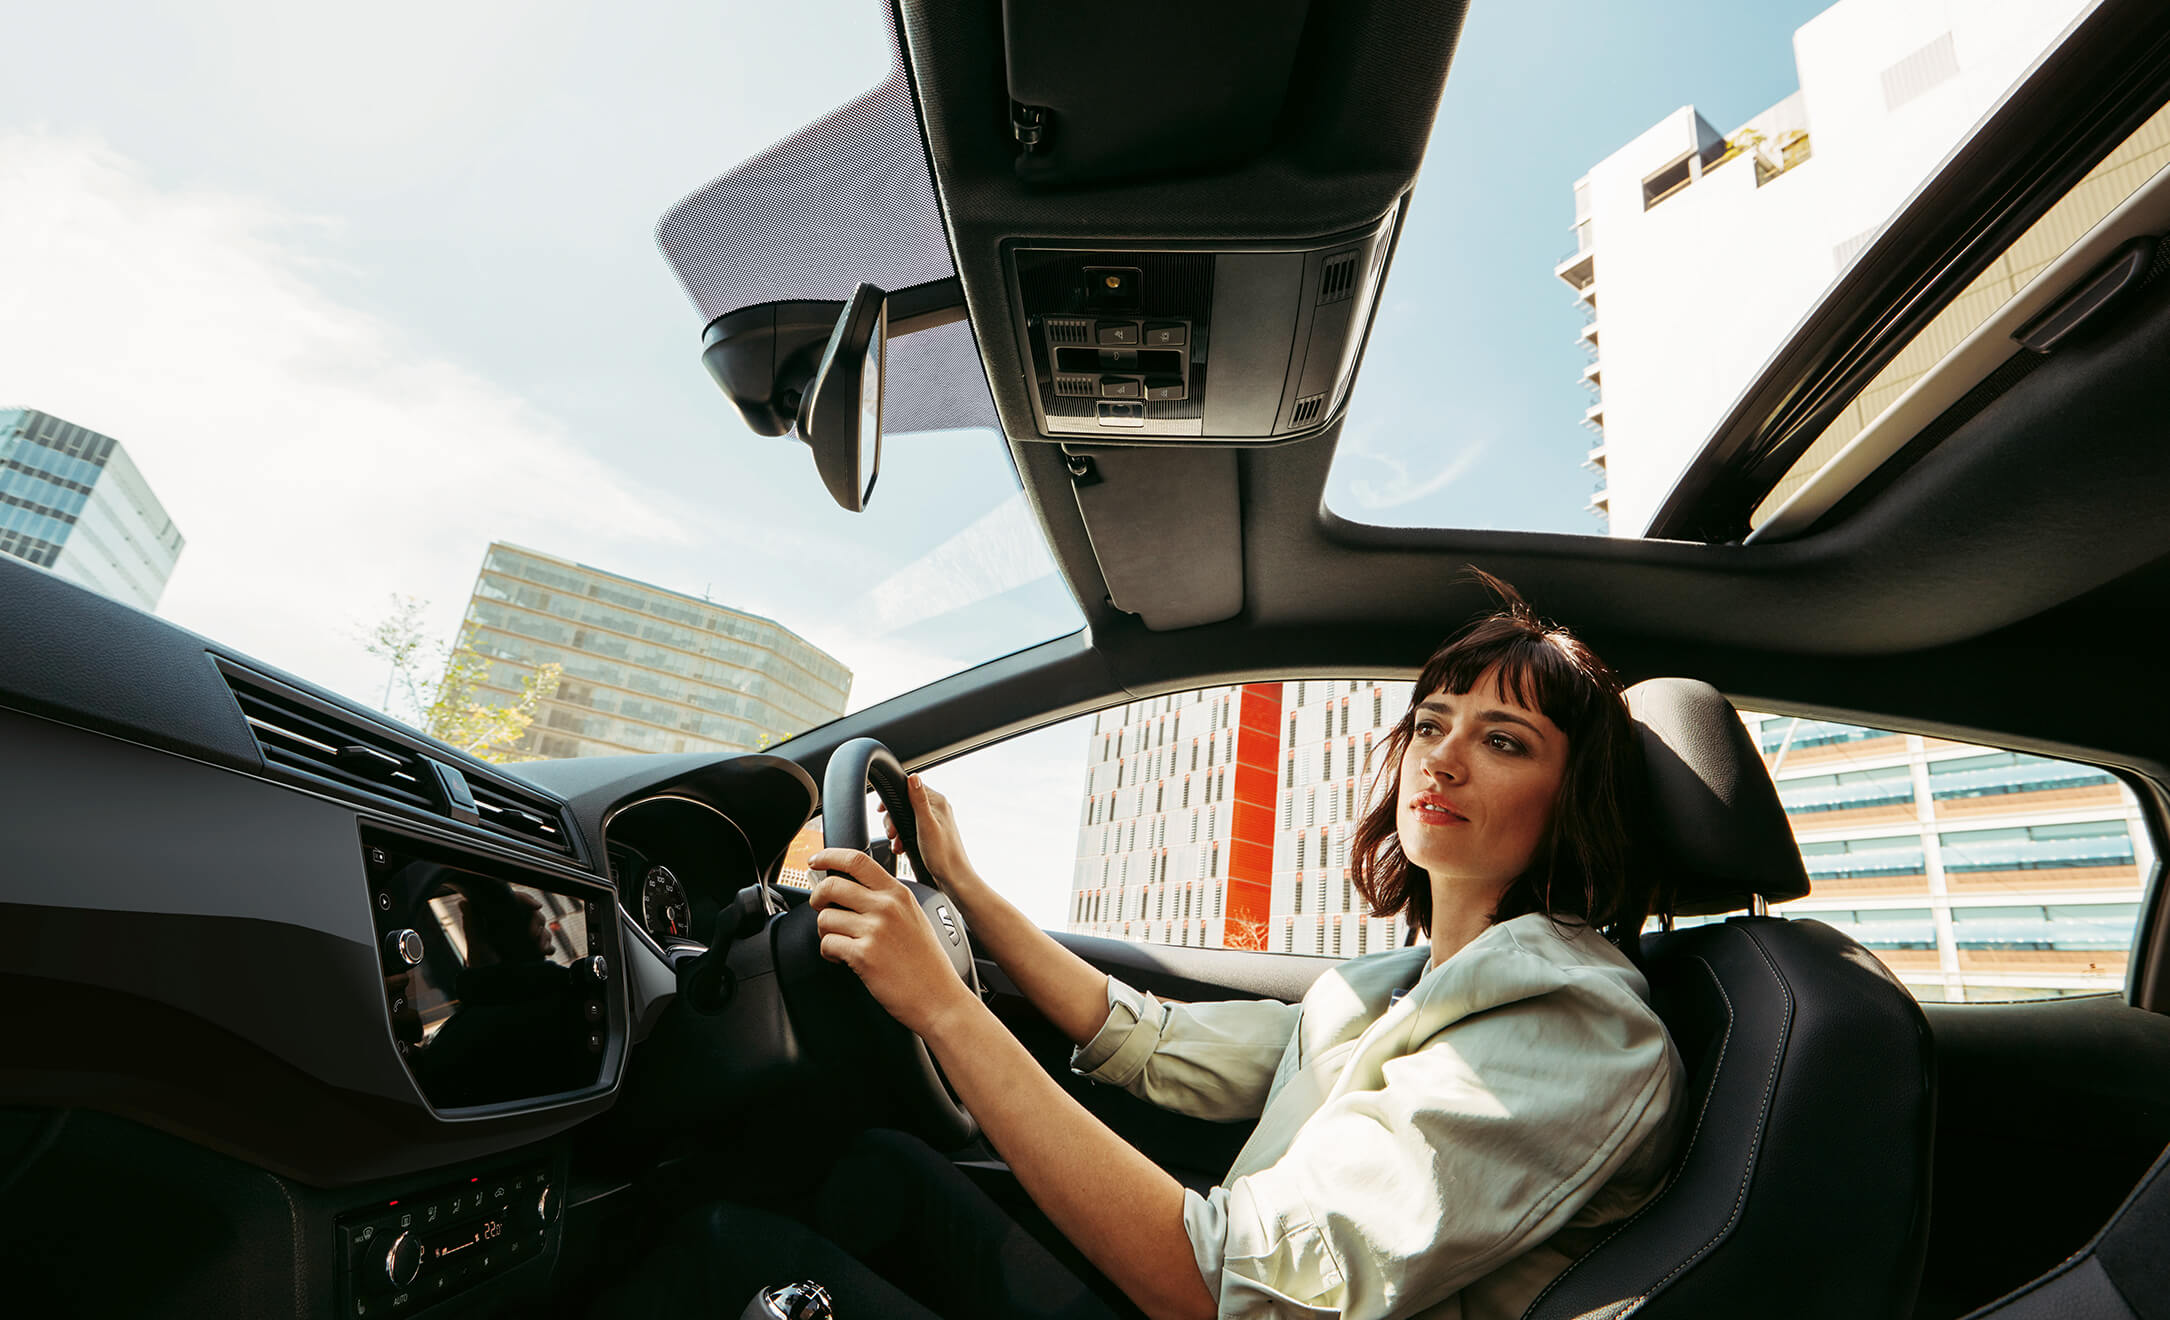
[{"x": 845, "y": 199}]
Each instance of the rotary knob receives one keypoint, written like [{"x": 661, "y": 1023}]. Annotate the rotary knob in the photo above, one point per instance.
[
  {"x": 403, "y": 1260},
  {"x": 403, "y": 948},
  {"x": 546, "y": 1207},
  {"x": 593, "y": 971}
]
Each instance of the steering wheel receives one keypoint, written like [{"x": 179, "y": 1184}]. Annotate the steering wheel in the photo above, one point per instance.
[{"x": 834, "y": 1017}]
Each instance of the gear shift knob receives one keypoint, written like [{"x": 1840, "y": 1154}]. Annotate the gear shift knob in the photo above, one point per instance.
[{"x": 804, "y": 1300}]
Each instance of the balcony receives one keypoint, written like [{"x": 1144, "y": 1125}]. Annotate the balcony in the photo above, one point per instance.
[
  {"x": 1587, "y": 296},
  {"x": 1578, "y": 268},
  {"x": 1595, "y": 459},
  {"x": 1600, "y": 503},
  {"x": 1594, "y": 416},
  {"x": 1588, "y": 337},
  {"x": 1591, "y": 376}
]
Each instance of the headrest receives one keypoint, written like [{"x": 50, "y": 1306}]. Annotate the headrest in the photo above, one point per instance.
[{"x": 1719, "y": 831}]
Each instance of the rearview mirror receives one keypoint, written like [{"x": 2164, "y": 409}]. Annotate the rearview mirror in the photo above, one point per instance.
[{"x": 841, "y": 419}]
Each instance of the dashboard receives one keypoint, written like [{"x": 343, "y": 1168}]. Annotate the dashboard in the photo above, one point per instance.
[{"x": 346, "y": 1012}]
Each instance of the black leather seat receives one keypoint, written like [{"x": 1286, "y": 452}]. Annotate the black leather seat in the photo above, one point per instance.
[{"x": 1802, "y": 1187}]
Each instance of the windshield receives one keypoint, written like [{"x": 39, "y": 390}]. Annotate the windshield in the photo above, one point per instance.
[
  {"x": 375, "y": 334},
  {"x": 347, "y": 324}
]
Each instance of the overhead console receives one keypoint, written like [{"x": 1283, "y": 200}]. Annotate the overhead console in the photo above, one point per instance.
[{"x": 1193, "y": 342}]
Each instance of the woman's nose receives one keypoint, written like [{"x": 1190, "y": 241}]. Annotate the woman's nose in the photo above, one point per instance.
[{"x": 1443, "y": 761}]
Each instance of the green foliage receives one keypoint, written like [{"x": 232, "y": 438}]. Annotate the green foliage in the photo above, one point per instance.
[{"x": 448, "y": 707}]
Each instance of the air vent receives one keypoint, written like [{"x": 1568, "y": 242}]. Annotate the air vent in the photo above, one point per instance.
[
  {"x": 1075, "y": 386},
  {"x": 1307, "y": 410},
  {"x": 1068, "y": 332},
  {"x": 298, "y": 736},
  {"x": 1338, "y": 280},
  {"x": 522, "y": 815},
  {"x": 315, "y": 741}
]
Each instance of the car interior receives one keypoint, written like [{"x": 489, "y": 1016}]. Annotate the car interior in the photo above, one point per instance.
[{"x": 228, "y": 888}]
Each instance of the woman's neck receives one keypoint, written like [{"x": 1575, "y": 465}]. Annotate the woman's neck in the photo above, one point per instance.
[{"x": 1458, "y": 916}]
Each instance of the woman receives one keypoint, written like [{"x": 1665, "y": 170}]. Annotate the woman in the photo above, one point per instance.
[{"x": 1441, "y": 1129}]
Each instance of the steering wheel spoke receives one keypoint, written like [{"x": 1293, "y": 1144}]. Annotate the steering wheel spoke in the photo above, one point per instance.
[{"x": 832, "y": 1013}]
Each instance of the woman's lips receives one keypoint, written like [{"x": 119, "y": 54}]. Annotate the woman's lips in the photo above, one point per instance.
[{"x": 1435, "y": 811}]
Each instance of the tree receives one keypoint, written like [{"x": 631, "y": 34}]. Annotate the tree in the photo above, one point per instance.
[
  {"x": 448, "y": 707},
  {"x": 1245, "y": 933}
]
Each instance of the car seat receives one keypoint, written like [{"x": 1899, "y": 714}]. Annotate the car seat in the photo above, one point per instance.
[{"x": 1801, "y": 1187}]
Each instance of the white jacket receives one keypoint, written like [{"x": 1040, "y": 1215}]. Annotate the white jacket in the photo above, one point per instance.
[{"x": 1443, "y": 1155}]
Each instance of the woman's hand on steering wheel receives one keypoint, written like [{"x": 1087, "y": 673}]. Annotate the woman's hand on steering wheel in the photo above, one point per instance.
[
  {"x": 939, "y": 842},
  {"x": 872, "y": 924}
]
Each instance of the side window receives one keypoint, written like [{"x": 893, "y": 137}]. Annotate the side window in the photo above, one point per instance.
[
  {"x": 1974, "y": 874},
  {"x": 1216, "y": 818}
]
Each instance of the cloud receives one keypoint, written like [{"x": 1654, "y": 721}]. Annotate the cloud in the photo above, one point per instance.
[
  {"x": 1000, "y": 550},
  {"x": 317, "y": 458},
  {"x": 1402, "y": 488}
]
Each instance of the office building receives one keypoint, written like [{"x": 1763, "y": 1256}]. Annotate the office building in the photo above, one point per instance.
[
  {"x": 1222, "y": 817},
  {"x": 646, "y": 670},
  {"x": 72, "y": 501},
  {"x": 1972, "y": 873}
]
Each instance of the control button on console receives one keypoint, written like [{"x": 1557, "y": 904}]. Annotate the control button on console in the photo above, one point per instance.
[
  {"x": 1166, "y": 336},
  {"x": 1116, "y": 332},
  {"x": 403, "y": 1261},
  {"x": 1121, "y": 387},
  {"x": 403, "y": 948},
  {"x": 1165, "y": 387}
]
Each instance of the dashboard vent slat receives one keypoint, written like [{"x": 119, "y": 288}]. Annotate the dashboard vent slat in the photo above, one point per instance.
[
  {"x": 524, "y": 816},
  {"x": 291, "y": 736},
  {"x": 1307, "y": 410}
]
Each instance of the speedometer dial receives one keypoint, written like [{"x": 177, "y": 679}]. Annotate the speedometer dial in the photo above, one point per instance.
[{"x": 663, "y": 907}]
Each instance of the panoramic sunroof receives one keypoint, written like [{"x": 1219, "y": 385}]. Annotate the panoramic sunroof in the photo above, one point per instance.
[
  {"x": 2118, "y": 180},
  {"x": 1720, "y": 169}
]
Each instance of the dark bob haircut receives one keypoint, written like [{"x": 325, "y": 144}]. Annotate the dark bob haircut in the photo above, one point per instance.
[{"x": 1588, "y": 867}]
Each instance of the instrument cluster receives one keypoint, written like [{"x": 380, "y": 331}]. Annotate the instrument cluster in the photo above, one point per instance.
[{"x": 677, "y": 862}]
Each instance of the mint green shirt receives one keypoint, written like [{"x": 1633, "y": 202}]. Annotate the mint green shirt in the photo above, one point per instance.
[{"x": 1444, "y": 1155}]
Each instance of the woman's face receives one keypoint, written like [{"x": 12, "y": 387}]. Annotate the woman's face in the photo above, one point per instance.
[{"x": 1478, "y": 781}]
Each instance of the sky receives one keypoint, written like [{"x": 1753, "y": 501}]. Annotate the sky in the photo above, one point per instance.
[{"x": 362, "y": 291}]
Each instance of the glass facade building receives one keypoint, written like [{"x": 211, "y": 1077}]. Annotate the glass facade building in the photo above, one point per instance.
[
  {"x": 646, "y": 670},
  {"x": 72, "y": 501},
  {"x": 1972, "y": 873}
]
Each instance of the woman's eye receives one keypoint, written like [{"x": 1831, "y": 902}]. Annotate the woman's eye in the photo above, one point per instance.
[{"x": 1505, "y": 743}]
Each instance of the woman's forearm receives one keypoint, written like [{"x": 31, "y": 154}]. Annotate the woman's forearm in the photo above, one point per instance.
[
  {"x": 1067, "y": 990},
  {"x": 1118, "y": 1207}
]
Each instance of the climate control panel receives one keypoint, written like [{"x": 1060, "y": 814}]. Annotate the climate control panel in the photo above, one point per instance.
[{"x": 404, "y": 1253}]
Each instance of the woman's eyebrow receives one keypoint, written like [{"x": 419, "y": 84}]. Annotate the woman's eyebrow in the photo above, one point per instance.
[{"x": 1502, "y": 716}]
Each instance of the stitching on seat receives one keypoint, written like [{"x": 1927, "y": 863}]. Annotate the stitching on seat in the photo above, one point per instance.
[{"x": 1755, "y": 1149}]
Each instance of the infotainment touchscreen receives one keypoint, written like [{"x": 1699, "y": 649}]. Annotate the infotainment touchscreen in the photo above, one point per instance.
[{"x": 494, "y": 976}]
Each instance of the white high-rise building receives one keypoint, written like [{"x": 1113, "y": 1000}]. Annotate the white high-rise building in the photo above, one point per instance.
[
  {"x": 1222, "y": 817},
  {"x": 1697, "y": 252},
  {"x": 72, "y": 501}
]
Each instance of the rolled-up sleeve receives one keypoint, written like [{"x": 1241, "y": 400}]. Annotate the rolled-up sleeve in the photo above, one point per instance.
[
  {"x": 1210, "y": 1060},
  {"x": 1482, "y": 1143}
]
